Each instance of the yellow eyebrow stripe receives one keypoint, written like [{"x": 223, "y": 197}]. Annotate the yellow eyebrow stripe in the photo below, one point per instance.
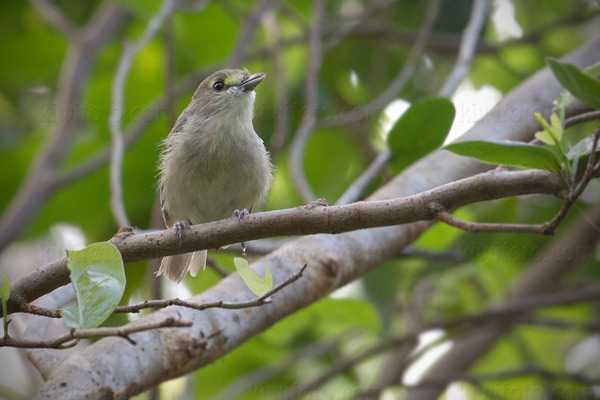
[{"x": 233, "y": 80}]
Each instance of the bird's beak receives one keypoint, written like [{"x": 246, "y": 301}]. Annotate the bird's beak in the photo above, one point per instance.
[{"x": 252, "y": 81}]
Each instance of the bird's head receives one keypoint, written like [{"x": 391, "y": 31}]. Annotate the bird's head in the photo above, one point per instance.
[{"x": 229, "y": 91}]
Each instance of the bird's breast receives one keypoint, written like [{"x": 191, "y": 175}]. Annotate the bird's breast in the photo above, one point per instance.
[{"x": 215, "y": 176}]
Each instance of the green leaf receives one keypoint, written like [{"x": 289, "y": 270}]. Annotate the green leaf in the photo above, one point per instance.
[
  {"x": 545, "y": 137},
  {"x": 553, "y": 133},
  {"x": 582, "y": 86},
  {"x": 98, "y": 276},
  {"x": 5, "y": 290},
  {"x": 566, "y": 98},
  {"x": 420, "y": 130},
  {"x": 508, "y": 153},
  {"x": 557, "y": 128},
  {"x": 257, "y": 285}
]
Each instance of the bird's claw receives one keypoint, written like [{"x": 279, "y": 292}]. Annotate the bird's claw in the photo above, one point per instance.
[
  {"x": 179, "y": 227},
  {"x": 241, "y": 214}
]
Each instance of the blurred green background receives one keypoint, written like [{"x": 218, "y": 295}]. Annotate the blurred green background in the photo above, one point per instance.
[{"x": 517, "y": 37}]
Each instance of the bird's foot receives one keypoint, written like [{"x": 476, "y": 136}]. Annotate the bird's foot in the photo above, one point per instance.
[
  {"x": 241, "y": 214},
  {"x": 179, "y": 227}
]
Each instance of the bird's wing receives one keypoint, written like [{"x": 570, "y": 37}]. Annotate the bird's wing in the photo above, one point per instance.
[{"x": 165, "y": 214}]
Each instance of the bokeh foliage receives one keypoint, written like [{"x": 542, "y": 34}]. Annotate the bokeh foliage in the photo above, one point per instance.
[{"x": 32, "y": 54}]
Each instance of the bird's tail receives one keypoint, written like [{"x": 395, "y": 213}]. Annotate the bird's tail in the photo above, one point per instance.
[{"x": 175, "y": 267}]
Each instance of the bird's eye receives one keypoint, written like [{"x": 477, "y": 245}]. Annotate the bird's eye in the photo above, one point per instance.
[{"x": 219, "y": 86}]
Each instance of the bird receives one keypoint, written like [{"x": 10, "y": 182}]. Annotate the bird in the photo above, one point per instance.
[{"x": 213, "y": 164}]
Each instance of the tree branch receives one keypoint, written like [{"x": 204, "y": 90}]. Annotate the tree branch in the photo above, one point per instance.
[
  {"x": 38, "y": 185},
  {"x": 310, "y": 219},
  {"x": 247, "y": 33},
  {"x": 117, "y": 204},
  {"x": 502, "y": 314},
  {"x": 358, "y": 187},
  {"x": 162, "y": 303},
  {"x": 282, "y": 118},
  {"x": 468, "y": 45},
  {"x": 399, "y": 81},
  {"x": 298, "y": 147},
  {"x": 338, "y": 34},
  {"x": 62, "y": 342},
  {"x": 547, "y": 228},
  {"x": 55, "y": 17},
  {"x": 539, "y": 280},
  {"x": 45, "y": 360},
  {"x": 333, "y": 261}
]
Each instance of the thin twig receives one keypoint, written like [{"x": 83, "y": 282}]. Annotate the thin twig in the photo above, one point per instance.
[
  {"x": 495, "y": 314},
  {"x": 547, "y": 228},
  {"x": 140, "y": 123},
  {"x": 37, "y": 187},
  {"x": 133, "y": 133},
  {"x": 336, "y": 36},
  {"x": 162, "y": 303},
  {"x": 282, "y": 118},
  {"x": 467, "y": 49},
  {"x": 212, "y": 264},
  {"x": 309, "y": 219},
  {"x": 559, "y": 324},
  {"x": 247, "y": 32},
  {"x": 476, "y": 380},
  {"x": 310, "y": 106},
  {"x": 581, "y": 118},
  {"x": 55, "y": 17},
  {"x": 257, "y": 302},
  {"x": 242, "y": 385},
  {"x": 293, "y": 15},
  {"x": 117, "y": 204},
  {"x": 446, "y": 257},
  {"x": 62, "y": 342},
  {"x": 467, "y": 226},
  {"x": 504, "y": 375},
  {"x": 468, "y": 45},
  {"x": 359, "y": 186},
  {"x": 136, "y": 128},
  {"x": 399, "y": 81}
]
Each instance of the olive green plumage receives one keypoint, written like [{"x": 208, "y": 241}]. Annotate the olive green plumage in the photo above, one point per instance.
[{"x": 213, "y": 162}]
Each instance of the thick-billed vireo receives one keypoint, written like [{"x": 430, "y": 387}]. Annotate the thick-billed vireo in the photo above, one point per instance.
[{"x": 213, "y": 163}]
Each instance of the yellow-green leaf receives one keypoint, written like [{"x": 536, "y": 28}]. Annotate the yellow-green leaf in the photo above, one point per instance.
[
  {"x": 98, "y": 276},
  {"x": 552, "y": 137},
  {"x": 5, "y": 290},
  {"x": 257, "y": 285},
  {"x": 545, "y": 137},
  {"x": 557, "y": 128}
]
